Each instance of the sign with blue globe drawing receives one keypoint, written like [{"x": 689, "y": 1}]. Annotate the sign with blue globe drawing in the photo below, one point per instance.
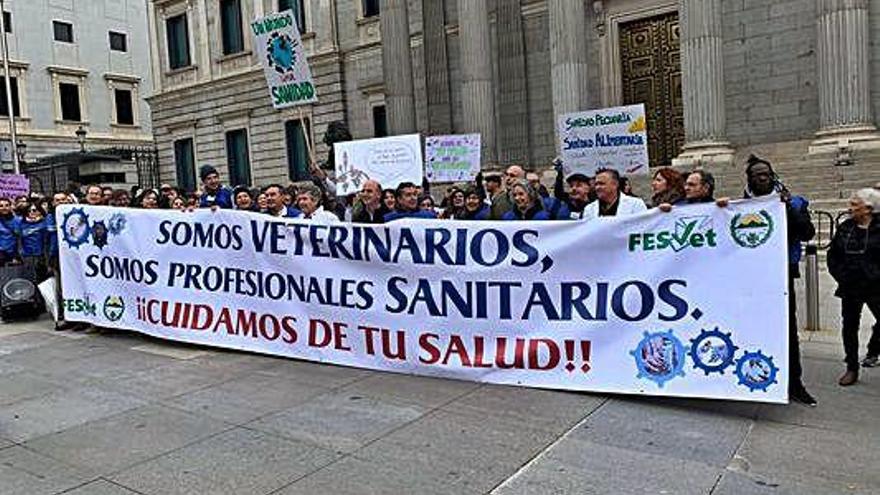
[{"x": 284, "y": 61}]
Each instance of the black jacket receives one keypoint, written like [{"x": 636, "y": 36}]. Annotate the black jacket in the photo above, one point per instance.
[{"x": 854, "y": 260}]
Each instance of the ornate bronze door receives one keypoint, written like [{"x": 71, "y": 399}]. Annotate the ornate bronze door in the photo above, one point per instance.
[{"x": 651, "y": 69}]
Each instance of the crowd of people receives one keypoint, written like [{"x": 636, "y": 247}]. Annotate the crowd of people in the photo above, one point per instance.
[{"x": 28, "y": 225}]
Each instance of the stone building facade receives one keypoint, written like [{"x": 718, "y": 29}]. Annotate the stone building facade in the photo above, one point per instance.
[
  {"x": 798, "y": 78},
  {"x": 77, "y": 64}
]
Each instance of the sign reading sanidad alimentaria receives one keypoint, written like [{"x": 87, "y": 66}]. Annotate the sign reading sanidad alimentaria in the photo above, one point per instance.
[{"x": 284, "y": 60}]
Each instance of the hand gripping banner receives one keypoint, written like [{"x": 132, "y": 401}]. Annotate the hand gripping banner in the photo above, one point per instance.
[{"x": 690, "y": 303}]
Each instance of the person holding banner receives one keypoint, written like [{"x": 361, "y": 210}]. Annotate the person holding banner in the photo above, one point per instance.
[
  {"x": 528, "y": 204},
  {"x": 215, "y": 193},
  {"x": 275, "y": 203},
  {"x": 407, "y": 200},
  {"x": 610, "y": 202},
  {"x": 761, "y": 180},
  {"x": 854, "y": 262},
  {"x": 369, "y": 209},
  {"x": 9, "y": 228},
  {"x": 308, "y": 199},
  {"x": 667, "y": 187},
  {"x": 474, "y": 207},
  {"x": 578, "y": 197},
  {"x": 243, "y": 200}
]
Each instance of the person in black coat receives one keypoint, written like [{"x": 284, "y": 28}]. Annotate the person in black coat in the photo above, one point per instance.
[{"x": 854, "y": 262}]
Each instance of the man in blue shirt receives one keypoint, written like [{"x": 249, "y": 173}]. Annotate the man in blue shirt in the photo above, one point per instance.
[
  {"x": 408, "y": 204},
  {"x": 275, "y": 203},
  {"x": 10, "y": 225},
  {"x": 214, "y": 193}
]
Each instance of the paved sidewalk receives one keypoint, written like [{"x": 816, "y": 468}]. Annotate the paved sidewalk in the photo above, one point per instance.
[{"x": 117, "y": 413}]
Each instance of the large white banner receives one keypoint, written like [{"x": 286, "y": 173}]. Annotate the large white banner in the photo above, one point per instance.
[
  {"x": 615, "y": 138},
  {"x": 690, "y": 303},
  {"x": 390, "y": 160},
  {"x": 280, "y": 50}
]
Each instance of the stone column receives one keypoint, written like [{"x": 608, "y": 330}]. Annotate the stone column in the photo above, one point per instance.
[
  {"x": 568, "y": 56},
  {"x": 477, "y": 93},
  {"x": 702, "y": 67},
  {"x": 437, "y": 88},
  {"x": 845, "y": 114},
  {"x": 397, "y": 67}
]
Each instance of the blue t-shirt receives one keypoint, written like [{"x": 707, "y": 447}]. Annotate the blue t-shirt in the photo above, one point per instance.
[
  {"x": 52, "y": 234},
  {"x": 9, "y": 232},
  {"x": 33, "y": 237}
]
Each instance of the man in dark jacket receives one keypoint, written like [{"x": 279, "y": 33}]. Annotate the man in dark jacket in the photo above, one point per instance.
[
  {"x": 215, "y": 193},
  {"x": 369, "y": 208},
  {"x": 408, "y": 204},
  {"x": 763, "y": 181}
]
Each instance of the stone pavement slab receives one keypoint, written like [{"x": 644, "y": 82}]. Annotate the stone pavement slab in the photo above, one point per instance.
[
  {"x": 665, "y": 430},
  {"x": 245, "y": 399},
  {"x": 408, "y": 389},
  {"x": 467, "y": 454},
  {"x": 339, "y": 422},
  {"x": 733, "y": 483},
  {"x": 15, "y": 387},
  {"x": 111, "y": 444},
  {"x": 100, "y": 487},
  {"x": 60, "y": 410},
  {"x": 576, "y": 466},
  {"x": 238, "y": 461},
  {"x": 24, "y": 472}
]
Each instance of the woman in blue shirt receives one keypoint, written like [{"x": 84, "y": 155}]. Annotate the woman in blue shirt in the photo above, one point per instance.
[{"x": 34, "y": 232}]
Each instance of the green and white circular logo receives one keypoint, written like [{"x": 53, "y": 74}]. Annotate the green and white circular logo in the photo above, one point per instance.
[
  {"x": 751, "y": 230},
  {"x": 114, "y": 308}
]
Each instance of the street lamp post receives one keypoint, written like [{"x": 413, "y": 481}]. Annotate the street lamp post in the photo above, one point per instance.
[
  {"x": 81, "y": 134},
  {"x": 4, "y": 46}
]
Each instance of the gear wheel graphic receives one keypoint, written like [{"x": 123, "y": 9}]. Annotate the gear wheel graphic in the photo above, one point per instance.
[
  {"x": 720, "y": 355},
  {"x": 75, "y": 228},
  {"x": 756, "y": 371},
  {"x": 659, "y": 357}
]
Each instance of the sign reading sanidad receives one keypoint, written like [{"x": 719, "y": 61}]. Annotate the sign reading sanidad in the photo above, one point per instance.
[
  {"x": 283, "y": 57},
  {"x": 690, "y": 303}
]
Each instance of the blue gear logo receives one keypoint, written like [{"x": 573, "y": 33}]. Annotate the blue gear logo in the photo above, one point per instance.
[
  {"x": 756, "y": 371},
  {"x": 117, "y": 223},
  {"x": 660, "y": 357},
  {"x": 281, "y": 53},
  {"x": 75, "y": 228},
  {"x": 712, "y": 351}
]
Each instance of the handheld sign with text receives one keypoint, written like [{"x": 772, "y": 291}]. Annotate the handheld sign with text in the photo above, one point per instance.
[
  {"x": 452, "y": 158},
  {"x": 615, "y": 138},
  {"x": 14, "y": 185},
  {"x": 283, "y": 57},
  {"x": 390, "y": 161}
]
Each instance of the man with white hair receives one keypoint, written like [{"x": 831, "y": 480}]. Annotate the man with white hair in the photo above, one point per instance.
[{"x": 308, "y": 200}]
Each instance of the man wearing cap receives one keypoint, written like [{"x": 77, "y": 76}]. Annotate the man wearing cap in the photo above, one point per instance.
[
  {"x": 578, "y": 197},
  {"x": 215, "y": 194}
]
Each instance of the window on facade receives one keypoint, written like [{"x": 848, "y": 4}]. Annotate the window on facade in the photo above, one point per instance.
[
  {"x": 4, "y": 108},
  {"x": 371, "y": 8},
  {"x": 380, "y": 124},
  {"x": 299, "y": 11},
  {"x": 297, "y": 152},
  {"x": 118, "y": 42},
  {"x": 184, "y": 164},
  {"x": 63, "y": 31},
  {"x": 7, "y": 21},
  {"x": 124, "y": 107},
  {"x": 237, "y": 158},
  {"x": 230, "y": 25},
  {"x": 178, "y": 41},
  {"x": 69, "y": 95}
]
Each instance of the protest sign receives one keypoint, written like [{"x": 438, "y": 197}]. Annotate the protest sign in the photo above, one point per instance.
[
  {"x": 389, "y": 160},
  {"x": 280, "y": 50},
  {"x": 14, "y": 185},
  {"x": 452, "y": 158},
  {"x": 615, "y": 138},
  {"x": 691, "y": 303}
]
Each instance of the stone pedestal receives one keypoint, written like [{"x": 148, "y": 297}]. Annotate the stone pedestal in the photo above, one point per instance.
[
  {"x": 845, "y": 116},
  {"x": 702, "y": 66},
  {"x": 397, "y": 67},
  {"x": 477, "y": 93}
]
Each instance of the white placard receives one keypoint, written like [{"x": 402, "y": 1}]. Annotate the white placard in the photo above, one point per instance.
[
  {"x": 615, "y": 138},
  {"x": 281, "y": 52},
  {"x": 454, "y": 158},
  {"x": 390, "y": 160}
]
